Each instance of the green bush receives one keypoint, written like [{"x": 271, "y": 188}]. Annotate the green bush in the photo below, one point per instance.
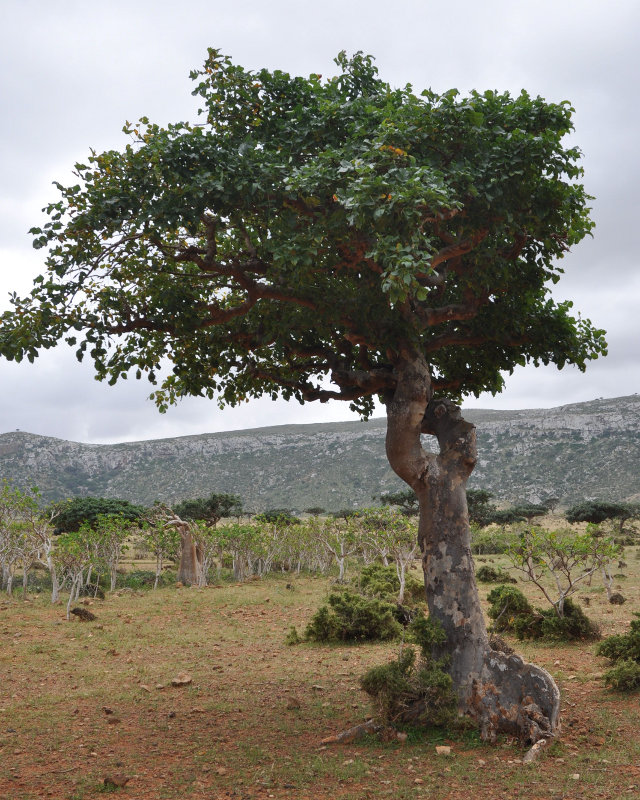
[
  {"x": 413, "y": 690},
  {"x": 624, "y": 676},
  {"x": 490, "y": 541},
  {"x": 511, "y": 611},
  {"x": 623, "y": 647},
  {"x": 353, "y": 617},
  {"x": 376, "y": 580},
  {"x": 144, "y": 579},
  {"x": 508, "y": 604},
  {"x": 574, "y": 625},
  {"x": 488, "y": 574}
]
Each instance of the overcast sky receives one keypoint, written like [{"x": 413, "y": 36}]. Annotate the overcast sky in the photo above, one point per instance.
[{"x": 73, "y": 72}]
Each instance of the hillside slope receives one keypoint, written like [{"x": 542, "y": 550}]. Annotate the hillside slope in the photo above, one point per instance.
[{"x": 574, "y": 451}]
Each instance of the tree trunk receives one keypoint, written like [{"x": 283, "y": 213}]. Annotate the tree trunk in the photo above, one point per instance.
[
  {"x": 502, "y": 693},
  {"x": 189, "y": 567}
]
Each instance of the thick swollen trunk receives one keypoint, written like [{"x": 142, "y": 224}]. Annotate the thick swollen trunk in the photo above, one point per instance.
[
  {"x": 501, "y": 692},
  {"x": 189, "y": 568}
]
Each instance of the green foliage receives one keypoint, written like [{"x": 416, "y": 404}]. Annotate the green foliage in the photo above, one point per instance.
[
  {"x": 407, "y": 687},
  {"x": 480, "y": 509},
  {"x": 352, "y": 617},
  {"x": 491, "y": 541},
  {"x": 406, "y": 500},
  {"x": 487, "y": 574},
  {"x": 623, "y": 647},
  {"x": 146, "y": 579},
  {"x": 624, "y": 676},
  {"x": 78, "y": 511},
  {"x": 507, "y": 605},
  {"x": 376, "y": 580},
  {"x": 277, "y": 516},
  {"x": 209, "y": 509},
  {"x": 596, "y": 511},
  {"x": 565, "y": 556},
  {"x": 511, "y": 611},
  {"x": 572, "y": 626},
  {"x": 309, "y": 230}
]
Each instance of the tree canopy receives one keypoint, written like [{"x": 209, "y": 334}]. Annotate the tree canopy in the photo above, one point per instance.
[
  {"x": 305, "y": 231},
  {"x": 210, "y": 509},
  {"x": 71, "y": 514}
]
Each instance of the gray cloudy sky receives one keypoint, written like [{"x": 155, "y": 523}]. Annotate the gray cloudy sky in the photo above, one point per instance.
[{"x": 72, "y": 72}]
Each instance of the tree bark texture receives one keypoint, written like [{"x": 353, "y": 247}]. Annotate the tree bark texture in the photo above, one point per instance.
[
  {"x": 501, "y": 692},
  {"x": 189, "y": 567}
]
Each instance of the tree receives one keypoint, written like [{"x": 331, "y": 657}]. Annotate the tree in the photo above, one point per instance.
[
  {"x": 162, "y": 539},
  {"x": 73, "y": 513},
  {"x": 568, "y": 557},
  {"x": 479, "y": 507},
  {"x": 597, "y": 511},
  {"x": 391, "y": 534},
  {"x": 326, "y": 240},
  {"x": 210, "y": 509},
  {"x": 406, "y": 500}
]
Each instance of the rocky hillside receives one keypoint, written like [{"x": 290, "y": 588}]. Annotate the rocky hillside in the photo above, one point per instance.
[{"x": 572, "y": 452}]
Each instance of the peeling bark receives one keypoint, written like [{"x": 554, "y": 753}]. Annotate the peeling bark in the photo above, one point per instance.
[{"x": 500, "y": 691}]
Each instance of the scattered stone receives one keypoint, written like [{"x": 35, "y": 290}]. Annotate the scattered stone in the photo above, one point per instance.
[
  {"x": 443, "y": 750},
  {"x": 576, "y": 776},
  {"x": 144, "y": 687},
  {"x": 221, "y": 771},
  {"x": 617, "y": 599},
  {"x": 116, "y": 781},
  {"x": 533, "y": 754},
  {"x": 171, "y": 714},
  {"x": 159, "y": 685},
  {"x": 293, "y": 703},
  {"x": 401, "y": 736},
  {"x": 107, "y": 710},
  {"x": 83, "y": 614},
  {"x": 418, "y": 781},
  {"x": 113, "y": 720},
  {"x": 182, "y": 679},
  {"x": 317, "y": 688}
]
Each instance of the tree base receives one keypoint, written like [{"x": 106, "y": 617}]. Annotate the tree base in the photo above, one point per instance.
[{"x": 515, "y": 698}]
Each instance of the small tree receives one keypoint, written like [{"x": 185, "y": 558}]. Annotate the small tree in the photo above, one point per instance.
[
  {"x": 406, "y": 500},
  {"x": 340, "y": 537},
  {"x": 391, "y": 533},
  {"x": 480, "y": 509},
  {"x": 75, "y": 552},
  {"x": 567, "y": 558},
  {"x": 163, "y": 540},
  {"x": 111, "y": 531}
]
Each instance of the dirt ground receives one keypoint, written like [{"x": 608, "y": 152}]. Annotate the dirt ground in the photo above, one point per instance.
[{"x": 81, "y": 702}]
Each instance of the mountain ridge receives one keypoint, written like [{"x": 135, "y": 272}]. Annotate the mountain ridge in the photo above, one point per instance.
[{"x": 574, "y": 451}]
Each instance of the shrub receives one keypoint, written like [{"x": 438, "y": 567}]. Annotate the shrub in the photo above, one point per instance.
[
  {"x": 574, "y": 625},
  {"x": 623, "y": 647},
  {"x": 488, "y": 574},
  {"x": 511, "y": 611},
  {"x": 353, "y": 617},
  {"x": 413, "y": 690},
  {"x": 490, "y": 542},
  {"x": 376, "y": 580},
  {"x": 624, "y": 676},
  {"x": 507, "y": 605}
]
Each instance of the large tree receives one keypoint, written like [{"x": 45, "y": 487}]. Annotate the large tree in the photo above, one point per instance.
[{"x": 335, "y": 239}]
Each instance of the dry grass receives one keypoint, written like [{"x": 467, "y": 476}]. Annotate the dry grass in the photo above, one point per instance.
[{"x": 250, "y": 724}]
